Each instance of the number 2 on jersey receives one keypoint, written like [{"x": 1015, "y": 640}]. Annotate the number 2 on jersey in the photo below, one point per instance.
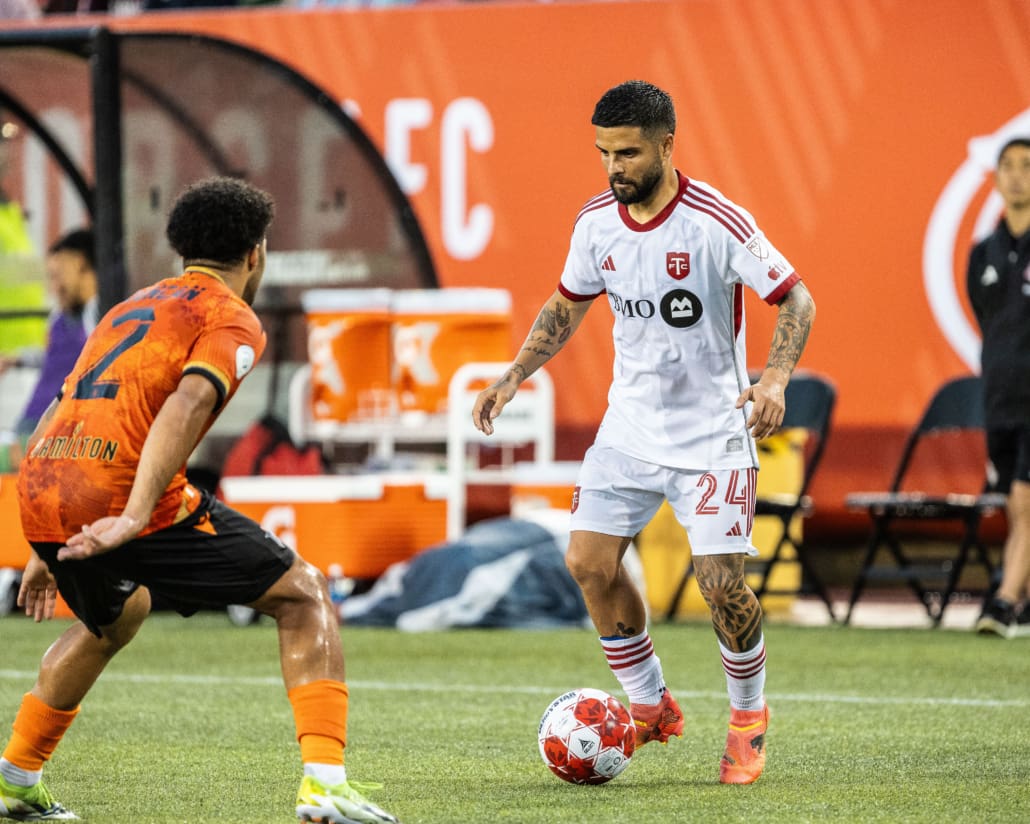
[{"x": 90, "y": 385}]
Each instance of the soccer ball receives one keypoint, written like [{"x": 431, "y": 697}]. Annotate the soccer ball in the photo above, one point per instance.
[{"x": 586, "y": 737}]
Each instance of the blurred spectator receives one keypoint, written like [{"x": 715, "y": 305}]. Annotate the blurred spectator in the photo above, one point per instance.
[
  {"x": 350, "y": 4},
  {"x": 162, "y": 5},
  {"x": 73, "y": 281},
  {"x": 74, "y": 6},
  {"x": 19, "y": 10},
  {"x": 998, "y": 283}
]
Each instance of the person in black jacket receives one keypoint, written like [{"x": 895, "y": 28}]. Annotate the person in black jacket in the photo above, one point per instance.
[{"x": 998, "y": 282}]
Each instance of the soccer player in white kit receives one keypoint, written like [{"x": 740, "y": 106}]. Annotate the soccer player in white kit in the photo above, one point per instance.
[{"x": 672, "y": 256}]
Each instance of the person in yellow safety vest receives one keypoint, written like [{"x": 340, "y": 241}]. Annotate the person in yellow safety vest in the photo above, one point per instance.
[
  {"x": 14, "y": 237},
  {"x": 22, "y": 285},
  {"x": 19, "y": 289}
]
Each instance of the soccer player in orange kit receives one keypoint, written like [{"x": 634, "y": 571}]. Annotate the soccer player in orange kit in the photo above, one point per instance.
[{"x": 111, "y": 517}]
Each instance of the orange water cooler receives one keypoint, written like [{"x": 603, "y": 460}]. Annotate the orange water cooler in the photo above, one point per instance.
[
  {"x": 363, "y": 523},
  {"x": 435, "y": 331},
  {"x": 349, "y": 353}
]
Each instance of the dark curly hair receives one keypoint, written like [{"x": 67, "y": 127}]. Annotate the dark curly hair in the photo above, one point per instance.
[
  {"x": 219, "y": 219},
  {"x": 636, "y": 103}
]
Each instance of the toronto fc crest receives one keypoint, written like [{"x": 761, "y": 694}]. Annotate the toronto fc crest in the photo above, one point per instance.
[{"x": 677, "y": 264}]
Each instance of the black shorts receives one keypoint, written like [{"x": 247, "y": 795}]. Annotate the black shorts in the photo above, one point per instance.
[
  {"x": 1009, "y": 451},
  {"x": 211, "y": 559}
]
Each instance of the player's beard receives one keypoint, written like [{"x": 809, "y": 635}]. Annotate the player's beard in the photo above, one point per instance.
[{"x": 640, "y": 190}]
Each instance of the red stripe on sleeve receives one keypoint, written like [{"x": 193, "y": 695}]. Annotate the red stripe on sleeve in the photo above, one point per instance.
[
  {"x": 776, "y": 295},
  {"x": 576, "y": 297}
]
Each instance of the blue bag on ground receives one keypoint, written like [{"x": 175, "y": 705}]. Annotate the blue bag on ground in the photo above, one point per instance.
[{"x": 501, "y": 573}]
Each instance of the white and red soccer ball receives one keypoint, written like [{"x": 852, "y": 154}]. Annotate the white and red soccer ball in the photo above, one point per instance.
[{"x": 586, "y": 737}]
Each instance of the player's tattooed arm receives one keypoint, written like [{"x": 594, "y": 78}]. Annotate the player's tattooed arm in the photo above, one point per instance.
[
  {"x": 556, "y": 322},
  {"x": 797, "y": 311},
  {"x": 552, "y": 328},
  {"x": 794, "y": 322},
  {"x": 736, "y": 613}
]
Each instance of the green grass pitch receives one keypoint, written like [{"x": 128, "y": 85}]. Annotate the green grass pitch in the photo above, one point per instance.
[{"x": 190, "y": 724}]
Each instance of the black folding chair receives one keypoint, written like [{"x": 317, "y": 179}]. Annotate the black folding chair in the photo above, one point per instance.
[
  {"x": 957, "y": 406},
  {"x": 809, "y": 400}
]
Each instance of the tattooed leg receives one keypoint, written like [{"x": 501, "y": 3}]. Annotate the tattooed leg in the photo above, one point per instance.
[
  {"x": 612, "y": 599},
  {"x": 736, "y": 613}
]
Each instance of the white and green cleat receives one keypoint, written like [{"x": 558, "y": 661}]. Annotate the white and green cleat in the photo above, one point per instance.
[
  {"x": 339, "y": 804},
  {"x": 31, "y": 804}
]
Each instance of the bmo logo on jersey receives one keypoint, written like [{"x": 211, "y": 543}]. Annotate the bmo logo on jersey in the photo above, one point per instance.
[{"x": 681, "y": 308}]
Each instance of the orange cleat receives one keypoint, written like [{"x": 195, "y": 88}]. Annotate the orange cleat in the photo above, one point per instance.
[
  {"x": 744, "y": 758},
  {"x": 657, "y": 722}
]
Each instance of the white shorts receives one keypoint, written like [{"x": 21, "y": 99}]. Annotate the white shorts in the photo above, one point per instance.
[{"x": 619, "y": 495}]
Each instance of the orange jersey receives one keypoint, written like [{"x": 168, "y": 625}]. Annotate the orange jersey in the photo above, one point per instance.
[{"x": 83, "y": 465}]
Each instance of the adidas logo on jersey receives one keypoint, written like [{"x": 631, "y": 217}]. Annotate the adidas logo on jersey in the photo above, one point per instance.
[
  {"x": 734, "y": 530},
  {"x": 608, "y": 265}
]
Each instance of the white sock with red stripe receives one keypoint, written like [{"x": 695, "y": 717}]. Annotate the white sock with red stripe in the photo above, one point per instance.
[
  {"x": 639, "y": 670},
  {"x": 745, "y": 676}
]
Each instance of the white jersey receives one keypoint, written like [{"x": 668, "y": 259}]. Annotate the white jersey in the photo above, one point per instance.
[{"x": 675, "y": 286}]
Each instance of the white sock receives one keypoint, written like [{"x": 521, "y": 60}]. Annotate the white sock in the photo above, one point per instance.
[
  {"x": 328, "y": 774},
  {"x": 639, "y": 670},
  {"x": 18, "y": 776},
  {"x": 745, "y": 676}
]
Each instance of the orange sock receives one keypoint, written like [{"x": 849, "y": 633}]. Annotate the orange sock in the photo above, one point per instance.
[
  {"x": 320, "y": 715},
  {"x": 38, "y": 730}
]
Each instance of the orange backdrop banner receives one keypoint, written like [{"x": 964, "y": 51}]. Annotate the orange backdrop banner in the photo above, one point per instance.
[
  {"x": 860, "y": 133},
  {"x": 839, "y": 125}
]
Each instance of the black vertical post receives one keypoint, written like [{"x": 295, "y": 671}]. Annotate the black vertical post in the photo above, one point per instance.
[{"x": 107, "y": 152}]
